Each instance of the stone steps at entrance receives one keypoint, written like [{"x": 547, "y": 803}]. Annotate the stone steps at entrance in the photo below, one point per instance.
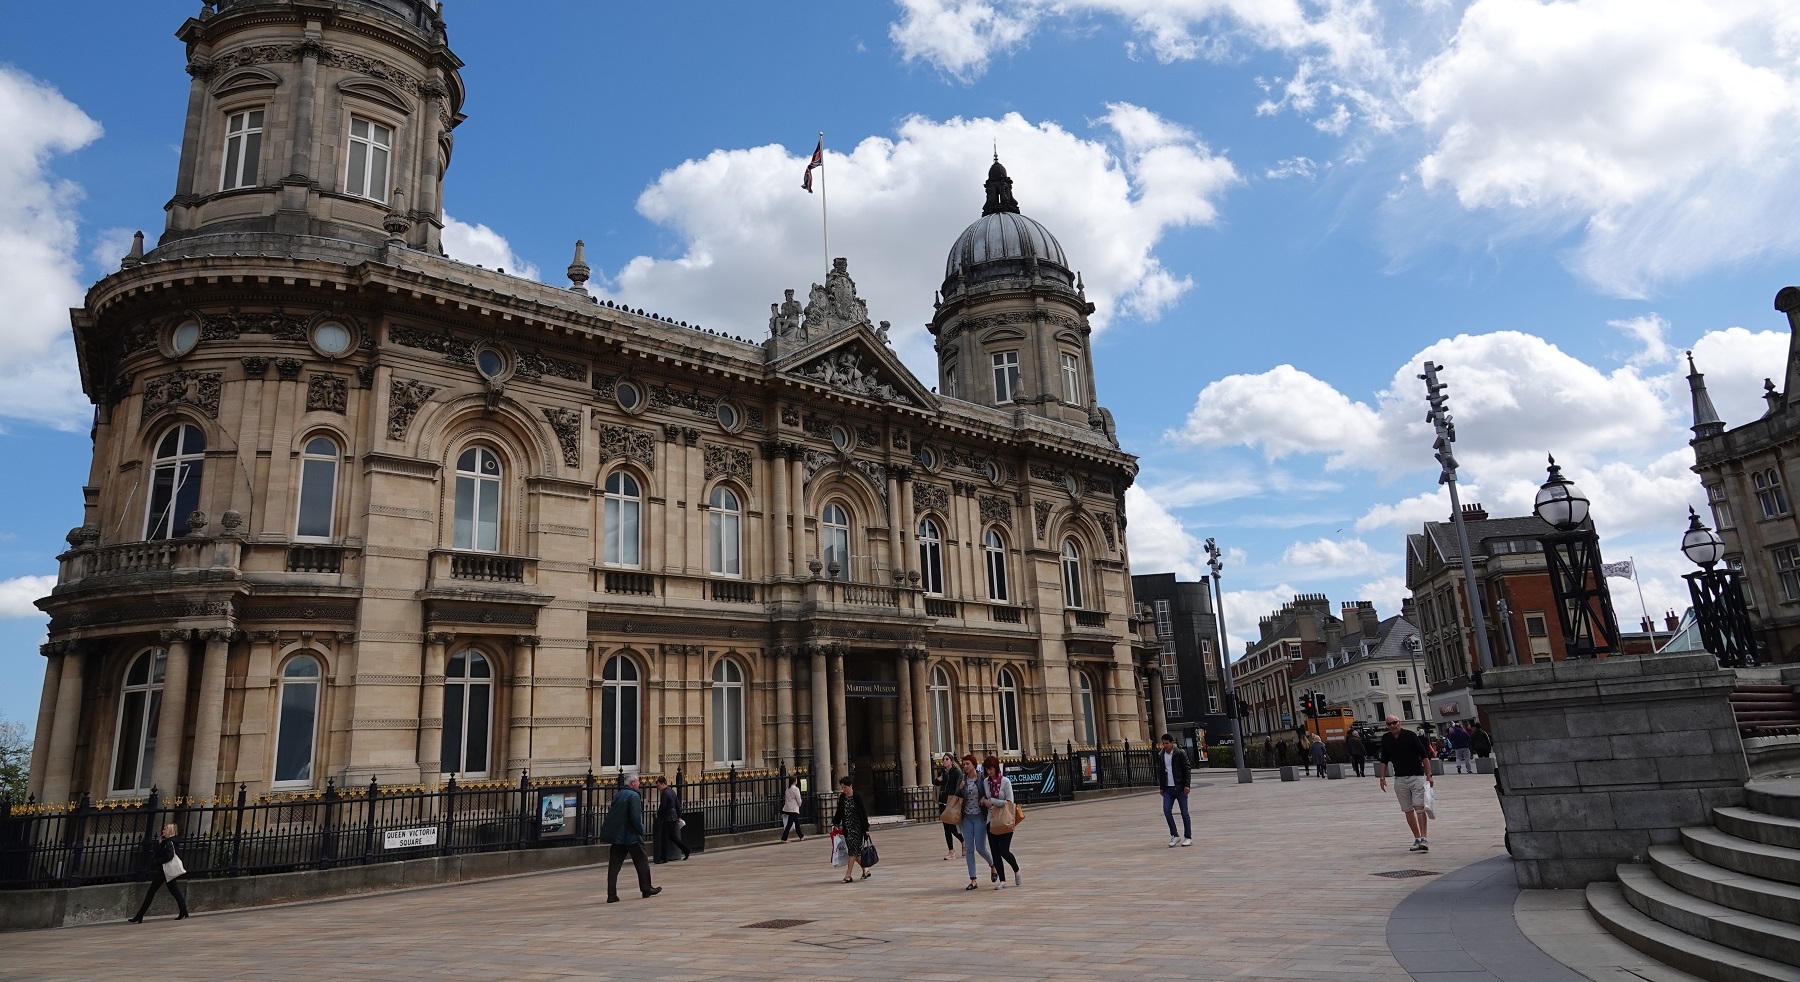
[
  {"x": 1756, "y": 826},
  {"x": 1750, "y": 894},
  {"x": 1752, "y": 934},
  {"x": 1606, "y": 901},
  {"x": 1744, "y": 856},
  {"x": 1776, "y": 796}
]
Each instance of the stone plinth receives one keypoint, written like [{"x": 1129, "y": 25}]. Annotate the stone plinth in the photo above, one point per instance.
[{"x": 1599, "y": 760}]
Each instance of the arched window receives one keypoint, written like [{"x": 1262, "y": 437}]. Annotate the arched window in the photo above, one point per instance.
[
  {"x": 725, "y": 542},
  {"x": 1769, "y": 493},
  {"x": 1071, "y": 570},
  {"x": 468, "y": 703},
  {"x": 175, "y": 482},
  {"x": 296, "y": 728},
  {"x": 619, "y": 713},
  {"x": 318, "y": 489},
  {"x": 993, "y": 548},
  {"x": 140, "y": 703},
  {"x": 624, "y": 503},
  {"x": 931, "y": 557},
  {"x": 1009, "y": 711},
  {"x": 728, "y": 713},
  {"x": 834, "y": 541},
  {"x": 943, "y": 737},
  {"x": 1089, "y": 730},
  {"x": 478, "y": 500}
]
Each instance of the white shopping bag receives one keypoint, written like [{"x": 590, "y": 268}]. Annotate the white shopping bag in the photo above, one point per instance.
[
  {"x": 840, "y": 855},
  {"x": 1431, "y": 802}
]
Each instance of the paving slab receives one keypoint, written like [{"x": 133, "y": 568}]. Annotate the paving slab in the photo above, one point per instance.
[{"x": 1278, "y": 886}]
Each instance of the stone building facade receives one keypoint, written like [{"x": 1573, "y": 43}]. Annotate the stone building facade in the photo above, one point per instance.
[
  {"x": 1749, "y": 473},
  {"x": 360, "y": 511},
  {"x": 1185, "y": 681},
  {"x": 1264, "y": 678}
]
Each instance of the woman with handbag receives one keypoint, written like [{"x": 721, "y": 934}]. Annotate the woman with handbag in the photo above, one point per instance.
[
  {"x": 997, "y": 798},
  {"x": 974, "y": 820},
  {"x": 853, "y": 822},
  {"x": 949, "y": 780},
  {"x": 169, "y": 869}
]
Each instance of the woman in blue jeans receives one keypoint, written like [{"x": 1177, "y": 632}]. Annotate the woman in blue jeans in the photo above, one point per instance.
[{"x": 974, "y": 819}]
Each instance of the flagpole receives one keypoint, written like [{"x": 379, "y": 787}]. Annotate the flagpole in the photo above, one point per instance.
[
  {"x": 824, "y": 212},
  {"x": 1641, "y": 604}
]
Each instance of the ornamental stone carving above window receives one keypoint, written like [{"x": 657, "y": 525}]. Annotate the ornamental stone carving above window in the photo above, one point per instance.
[
  {"x": 197, "y": 389},
  {"x": 567, "y": 424},
  {"x": 328, "y": 393},
  {"x": 728, "y": 462},
  {"x": 628, "y": 443},
  {"x": 405, "y": 396}
]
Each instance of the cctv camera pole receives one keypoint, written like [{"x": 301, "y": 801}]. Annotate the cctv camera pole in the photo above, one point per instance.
[
  {"x": 1237, "y": 735},
  {"x": 1439, "y": 418}
]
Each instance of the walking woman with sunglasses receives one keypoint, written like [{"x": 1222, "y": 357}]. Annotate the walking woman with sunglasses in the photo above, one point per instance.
[
  {"x": 974, "y": 820},
  {"x": 997, "y": 798}
]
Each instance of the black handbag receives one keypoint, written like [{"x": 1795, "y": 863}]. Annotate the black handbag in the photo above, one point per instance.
[{"x": 869, "y": 856}]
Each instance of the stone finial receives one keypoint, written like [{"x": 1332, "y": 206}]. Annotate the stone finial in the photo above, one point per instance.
[
  {"x": 206, "y": 10},
  {"x": 579, "y": 269},
  {"x": 396, "y": 224},
  {"x": 231, "y": 521},
  {"x": 136, "y": 256},
  {"x": 196, "y": 522},
  {"x": 1770, "y": 396},
  {"x": 1706, "y": 419}
]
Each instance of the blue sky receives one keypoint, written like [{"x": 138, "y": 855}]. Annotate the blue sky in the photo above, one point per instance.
[{"x": 1281, "y": 207}]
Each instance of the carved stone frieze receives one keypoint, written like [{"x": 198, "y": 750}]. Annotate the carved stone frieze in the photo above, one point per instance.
[
  {"x": 753, "y": 417},
  {"x": 1106, "y": 528},
  {"x": 902, "y": 443},
  {"x": 790, "y": 416},
  {"x": 814, "y": 424},
  {"x": 235, "y": 323},
  {"x": 365, "y": 376},
  {"x": 184, "y": 388},
  {"x": 867, "y": 437},
  {"x": 567, "y": 424},
  {"x": 628, "y": 443},
  {"x": 930, "y": 497},
  {"x": 603, "y": 386},
  {"x": 1043, "y": 472},
  {"x": 329, "y": 393},
  {"x": 877, "y": 474},
  {"x": 444, "y": 343},
  {"x": 405, "y": 396},
  {"x": 1041, "y": 512},
  {"x": 694, "y": 401},
  {"x": 844, "y": 371},
  {"x": 1099, "y": 484},
  {"x": 728, "y": 462},
  {"x": 995, "y": 508},
  {"x": 534, "y": 365}
]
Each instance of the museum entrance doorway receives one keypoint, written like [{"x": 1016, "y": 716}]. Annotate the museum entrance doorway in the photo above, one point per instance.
[{"x": 872, "y": 727}]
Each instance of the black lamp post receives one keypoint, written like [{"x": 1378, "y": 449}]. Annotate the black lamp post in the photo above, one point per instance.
[
  {"x": 1583, "y": 602},
  {"x": 1718, "y": 598}
]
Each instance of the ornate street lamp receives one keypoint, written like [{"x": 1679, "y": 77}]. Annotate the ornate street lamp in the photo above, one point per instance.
[
  {"x": 1718, "y": 598},
  {"x": 1217, "y": 566},
  {"x": 1583, "y": 602}
]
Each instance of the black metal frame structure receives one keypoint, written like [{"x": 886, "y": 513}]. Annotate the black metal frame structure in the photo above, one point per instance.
[
  {"x": 1583, "y": 602},
  {"x": 1722, "y": 616}
]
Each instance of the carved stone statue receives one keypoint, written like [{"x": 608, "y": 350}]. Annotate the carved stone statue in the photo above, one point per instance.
[
  {"x": 844, "y": 371},
  {"x": 817, "y": 314},
  {"x": 834, "y": 306},
  {"x": 788, "y": 320},
  {"x": 882, "y": 333}
]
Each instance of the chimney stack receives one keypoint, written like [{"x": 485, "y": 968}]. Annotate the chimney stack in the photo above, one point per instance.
[{"x": 1474, "y": 513}]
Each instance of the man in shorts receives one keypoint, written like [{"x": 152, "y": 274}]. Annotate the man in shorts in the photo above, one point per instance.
[{"x": 1405, "y": 756}]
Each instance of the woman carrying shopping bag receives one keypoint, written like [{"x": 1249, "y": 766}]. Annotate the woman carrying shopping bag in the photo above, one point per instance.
[
  {"x": 1002, "y": 819},
  {"x": 949, "y": 784},
  {"x": 168, "y": 870},
  {"x": 853, "y": 822},
  {"x": 974, "y": 820}
]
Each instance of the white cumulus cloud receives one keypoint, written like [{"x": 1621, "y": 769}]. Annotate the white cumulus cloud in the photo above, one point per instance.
[
  {"x": 18, "y": 594},
  {"x": 747, "y": 231},
  {"x": 40, "y": 273},
  {"x": 482, "y": 246},
  {"x": 1335, "y": 557},
  {"x": 1159, "y": 543}
]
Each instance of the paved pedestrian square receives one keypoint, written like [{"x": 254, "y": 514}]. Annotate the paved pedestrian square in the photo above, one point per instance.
[{"x": 1280, "y": 884}]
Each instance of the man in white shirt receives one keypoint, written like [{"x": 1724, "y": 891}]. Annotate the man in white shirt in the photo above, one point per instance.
[{"x": 1173, "y": 775}]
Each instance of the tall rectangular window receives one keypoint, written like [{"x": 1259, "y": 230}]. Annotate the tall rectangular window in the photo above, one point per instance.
[
  {"x": 366, "y": 173},
  {"x": 243, "y": 148},
  {"x": 1787, "y": 568},
  {"x": 1721, "y": 506},
  {"x": 950, "y": 381},
  {"x": 1172, "y": 700},
  {"x": 1006, "y": 376},
  {"x": 1374, "y": 680},
  {"x": 1400, "y": 676},
  {"x": 1534, "y": 626},
  {"x": 1406, "y": 709},
  {"x": 1165, "y": 625},
  {"x": 1071, "y": 376}
]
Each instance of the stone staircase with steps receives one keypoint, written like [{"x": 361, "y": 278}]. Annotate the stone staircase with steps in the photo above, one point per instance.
[
  {"x": 1765, "y": 709},
  {"x": 1725, "y": 903}
]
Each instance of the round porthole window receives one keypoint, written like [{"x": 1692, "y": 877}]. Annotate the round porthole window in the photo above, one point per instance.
[
  {"x": 991, "y": 471},
  {"x": 490, "y": 363},
  {"x": 1072, "y": 485},
  {"x": 929, "y": 458},
  {"x": 332, "y": 339},
  {"x": 729, "y": 417},
  {"x": 184, "y": 338},
  {"x": 840, "y": 438},
  {"x": 628, "y": 395}
]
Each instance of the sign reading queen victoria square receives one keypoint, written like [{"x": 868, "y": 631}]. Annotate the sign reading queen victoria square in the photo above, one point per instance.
[{"x": 409, "y": 838}]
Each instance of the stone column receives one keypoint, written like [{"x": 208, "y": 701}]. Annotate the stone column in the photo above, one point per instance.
[
  {"x": 209, "y": 717},
  {"x": 59, "y": 764},
  {"x": 796, "y": 455},
  {"x": 300, "y": 162},
  {"x": 55, "y": 654},
  {"x": 921, "y": 693},
  {"x": 909, "y": 744},
  {"x": 909, "y": 558},
  {"x": 780, "y": 542},
  {"x": 840, "y": 723},
  {"x": 1159, "y": 710},
  {"x": 1115, "y": 724},
  {"x": 518, "y": 740},
  {"x": 431, "y": 708},
  {"x": 821, "y": 722},
  {"x": 898, "y": 526},
  {"x": 191, "y": 152},
  {"x": 784, "y": 703},
  {"x": 171, "y": 723},
  {"x": 431, "y": 167}
]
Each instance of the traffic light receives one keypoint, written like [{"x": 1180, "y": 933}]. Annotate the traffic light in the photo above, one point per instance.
[{"x": 1306, "y": 705}]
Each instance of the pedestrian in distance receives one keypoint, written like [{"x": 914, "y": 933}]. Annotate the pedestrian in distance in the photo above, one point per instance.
[
  {"x": 1304, "y": 746},
  {"x": 997, "y": 798},
  {"x": 974, "y": 821},
  {"x": 1317, "y": 750},
  {"x": 949, "y": 779},
  {"x": 1459, "y": 743},
  {"x": 623, "y": 831},
  {"x": 1407, "y": 758},
  {"x": 167, "y": 871},
  {"x": 1281, "y": 754},
  {"x": 1357, "y": 750},
  {"x": 1268, "y": 756},
  {"x": 668, "y": 821},
  {"x": 790, "y": 810},
  {"x": 1479, "y": 741},
  {"x": 853, "y": 823},
  {"x": 1174, "y": 777}
]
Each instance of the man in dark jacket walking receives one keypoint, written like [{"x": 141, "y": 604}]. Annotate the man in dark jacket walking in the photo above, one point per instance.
[
  {"x": 1358, "y": 751},
  {"x": 1174, "y": 777},
  {"x": 668, "y": 821},
  {"x": 623, "y": 829}
]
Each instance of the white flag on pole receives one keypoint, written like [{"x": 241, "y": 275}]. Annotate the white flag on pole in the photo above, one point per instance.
[{"x": 1624, "y": 569}]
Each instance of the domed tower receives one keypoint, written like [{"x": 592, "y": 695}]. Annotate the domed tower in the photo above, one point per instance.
[
  {"x": 1012, "y": 319},
  {"x": 314, "y": 120}
]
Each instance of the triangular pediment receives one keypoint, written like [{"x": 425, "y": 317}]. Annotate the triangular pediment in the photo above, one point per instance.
[{"x": 855, "y": 362}]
